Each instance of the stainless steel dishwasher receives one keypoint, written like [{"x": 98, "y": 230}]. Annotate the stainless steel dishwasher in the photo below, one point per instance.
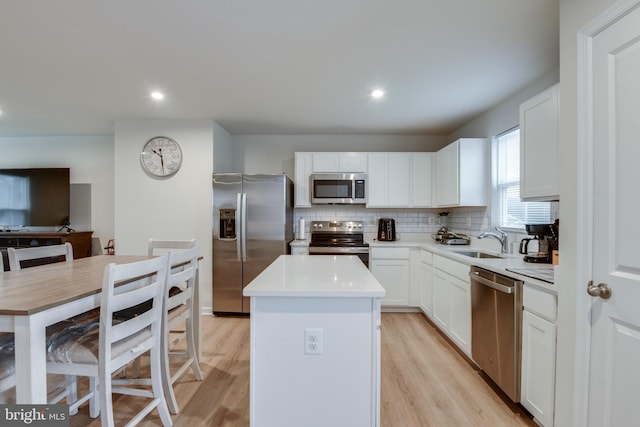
[{"x": 496, "y": 328}]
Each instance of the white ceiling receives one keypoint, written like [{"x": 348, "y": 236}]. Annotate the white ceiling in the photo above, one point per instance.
[{"x": 73, "y": 67}]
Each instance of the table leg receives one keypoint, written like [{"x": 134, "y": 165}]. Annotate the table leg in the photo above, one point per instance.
[{"x": 31, "y": 368}]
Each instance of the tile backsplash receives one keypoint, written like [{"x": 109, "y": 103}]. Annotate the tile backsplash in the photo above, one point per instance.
[{"x": 471, "y": 221}]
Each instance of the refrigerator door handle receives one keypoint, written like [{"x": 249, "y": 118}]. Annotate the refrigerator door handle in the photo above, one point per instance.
[
  {"x": 239, "y": 238},
  {"x": 244, "y": 227}
]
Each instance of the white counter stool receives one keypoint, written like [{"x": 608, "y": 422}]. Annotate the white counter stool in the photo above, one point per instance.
[
  {"x": 180, "y": 312},
  {"x": 17, "y": 255},
  {"x": 106, "y": 346}
]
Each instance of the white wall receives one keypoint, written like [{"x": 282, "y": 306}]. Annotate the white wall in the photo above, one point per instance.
[
  {"x": 175, "y": 208},
  {"x": 222, "y": 149},
  {"x": 90, "y": 159},
  {"x": 505, "y": 115},
  {"x": 275, "y": 153}
]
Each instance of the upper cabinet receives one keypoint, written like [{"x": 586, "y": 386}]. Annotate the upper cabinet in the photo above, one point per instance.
[
  {"x": 399, "y": 180},
  {"x": 339, "y": 162},
  {"x": 308, "y": 163},
  {"x": 302, "y": 185},
  {"x": 462, "y": 173},
  {"x": 539, "y": 147}
]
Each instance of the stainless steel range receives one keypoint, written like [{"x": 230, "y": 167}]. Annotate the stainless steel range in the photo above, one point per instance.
[{"x": 339, "y": 238}]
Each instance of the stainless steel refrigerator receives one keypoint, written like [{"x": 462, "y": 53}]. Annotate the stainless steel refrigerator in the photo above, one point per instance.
[{"x": 252, "y": 226}]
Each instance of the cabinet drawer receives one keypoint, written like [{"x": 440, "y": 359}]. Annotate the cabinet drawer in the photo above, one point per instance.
[
  {"x": 390, "y": 253},
  {"x": 539, "y": 302},
  {"x": 451, "y": 267}
]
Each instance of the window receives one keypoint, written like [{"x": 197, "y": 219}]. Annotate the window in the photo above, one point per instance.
[{"x": 511, "y": 212}]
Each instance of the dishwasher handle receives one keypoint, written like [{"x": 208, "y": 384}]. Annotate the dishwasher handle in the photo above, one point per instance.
[{"x": 497, "y": 286}]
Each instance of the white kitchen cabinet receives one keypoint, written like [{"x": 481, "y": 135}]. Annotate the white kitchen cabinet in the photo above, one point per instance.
[
  {"x": 303, "y": 166},
  {"x": 389, "y": 180},
  {"x": 400, "y": 180},
  {"x": 426, "y": 282},
  {"x": 539, "y": 138},
  {"x": 452, "y": 301},
  {"x": 462, "y": 173},
  {"x": 391, "y": 267},
  {"x": 421, "y": 180},
  {"x": 339, "y": 162},
  {"x": 538, "y": 354}
]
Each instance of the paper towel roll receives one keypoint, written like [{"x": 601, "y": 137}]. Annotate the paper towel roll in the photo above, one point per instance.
[{"x": 301, "y": 229}]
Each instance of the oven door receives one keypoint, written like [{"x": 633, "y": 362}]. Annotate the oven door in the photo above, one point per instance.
[{"x": 361, "y": 252}]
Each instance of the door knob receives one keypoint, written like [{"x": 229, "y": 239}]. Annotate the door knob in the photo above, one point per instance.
[{"x": 601, "y": 290}]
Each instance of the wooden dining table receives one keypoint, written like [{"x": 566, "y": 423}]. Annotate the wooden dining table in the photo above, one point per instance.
[{"x": 36, "y": 297}]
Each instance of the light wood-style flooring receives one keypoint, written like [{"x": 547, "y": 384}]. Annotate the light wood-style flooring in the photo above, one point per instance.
[{"x": 425, "y": 382}]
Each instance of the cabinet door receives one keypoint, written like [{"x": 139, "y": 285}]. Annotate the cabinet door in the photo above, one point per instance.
[
  {"x": 393, "y": 275},
  {"x": 539, "y": 146},
  {"x": 441, "y": 305},
  {"x": 538, "y": 367},
  {"x": 421, "y": 180},
  {"x": 426, "y": 289},
  {"x": 352, "y": 162},
  {"x": 460, "y": 326},
  {"x": 447, "y": 180},
  {"x": 303, "y": 172},
  {"x": 325, "y": 162},
  {"x": 399, "y": 177},
  {"x": 378, "y": 180}
]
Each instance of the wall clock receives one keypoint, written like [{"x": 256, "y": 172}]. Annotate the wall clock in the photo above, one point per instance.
[{"x": 161, "y": 157}]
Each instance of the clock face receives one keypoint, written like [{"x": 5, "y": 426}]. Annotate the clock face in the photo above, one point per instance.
[{"x": 161, "y": 157}]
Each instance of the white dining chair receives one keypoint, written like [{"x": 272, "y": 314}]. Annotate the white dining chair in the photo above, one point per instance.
[
  {"x": 101, "y": 348},
  {"x": 17, "y": 255},
  {"x": 180, "y": 312}
]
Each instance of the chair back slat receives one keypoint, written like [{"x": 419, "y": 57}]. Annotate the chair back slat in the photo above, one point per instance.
[
  {"x": 167, "y": 245},
  {"x": 114, "y": 298},
  {"x": 17, "y": 255}
]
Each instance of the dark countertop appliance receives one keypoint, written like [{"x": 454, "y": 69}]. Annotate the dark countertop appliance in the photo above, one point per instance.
[
  {"x": 538, "y": 249},
  {"x": 386, "y": 229}
]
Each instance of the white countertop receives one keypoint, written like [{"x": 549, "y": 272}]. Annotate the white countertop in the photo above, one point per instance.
[
  {"x": 498, "y": 265},
  {"x": 315, "y": 276}
]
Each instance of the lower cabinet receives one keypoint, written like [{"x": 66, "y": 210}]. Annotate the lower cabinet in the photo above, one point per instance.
[
  {"x": 391, "y": 267},
  {"x": 425, "y": 269},
  {"x": 452, "y": 301},
  {"x": 538, "y": 355}
]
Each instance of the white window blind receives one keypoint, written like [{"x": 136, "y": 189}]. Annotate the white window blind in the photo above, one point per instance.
[{"x": 513, "y": 213}]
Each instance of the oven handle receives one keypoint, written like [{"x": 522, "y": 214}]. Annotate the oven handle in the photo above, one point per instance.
[{"x": 475, "y": 276}]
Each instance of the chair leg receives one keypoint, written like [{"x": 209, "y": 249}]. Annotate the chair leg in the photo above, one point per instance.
[
  {"x": 106, "y": 399},
  {"x": 71, "y": 384},
  {"x": 191, "y": 350},
  {"x": 94, "y": 402},
  {"x": 167, "y": 384},
  {"x": 156, "y": 385}
]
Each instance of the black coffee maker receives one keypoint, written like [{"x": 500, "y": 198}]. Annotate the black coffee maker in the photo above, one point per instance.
[
  {"x": 543, "y": 242},
  {"x": 386, "y": 229}
]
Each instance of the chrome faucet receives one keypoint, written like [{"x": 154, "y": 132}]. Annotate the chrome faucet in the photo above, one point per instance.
[{"x": 503, "y": 238}]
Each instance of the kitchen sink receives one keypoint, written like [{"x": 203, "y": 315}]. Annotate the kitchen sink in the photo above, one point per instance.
[{"x": 477, "y": 254}]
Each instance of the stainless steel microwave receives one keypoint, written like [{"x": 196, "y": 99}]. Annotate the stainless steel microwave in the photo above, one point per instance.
[{"x": 338, "y": 188}]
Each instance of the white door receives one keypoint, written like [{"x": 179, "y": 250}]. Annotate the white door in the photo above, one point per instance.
[{"x": 614, "y": 390}]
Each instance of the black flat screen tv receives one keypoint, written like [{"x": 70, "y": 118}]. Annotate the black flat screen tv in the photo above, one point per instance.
[{"x": 34, "y": 197}]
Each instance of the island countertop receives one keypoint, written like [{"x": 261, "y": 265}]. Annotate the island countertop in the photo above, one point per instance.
[{"x": 315, "y": 276}]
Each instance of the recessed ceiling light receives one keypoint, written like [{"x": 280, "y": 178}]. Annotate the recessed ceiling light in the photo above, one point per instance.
[
  {"x": 377, "y": 93},
  {"x": 157, "y": 95}
]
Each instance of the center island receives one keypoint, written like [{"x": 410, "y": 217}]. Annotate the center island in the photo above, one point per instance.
[{"x": 315, "y": 343}]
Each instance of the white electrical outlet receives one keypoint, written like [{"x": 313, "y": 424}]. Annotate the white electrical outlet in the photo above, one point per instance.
[{"x": 313, "y": 341}]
